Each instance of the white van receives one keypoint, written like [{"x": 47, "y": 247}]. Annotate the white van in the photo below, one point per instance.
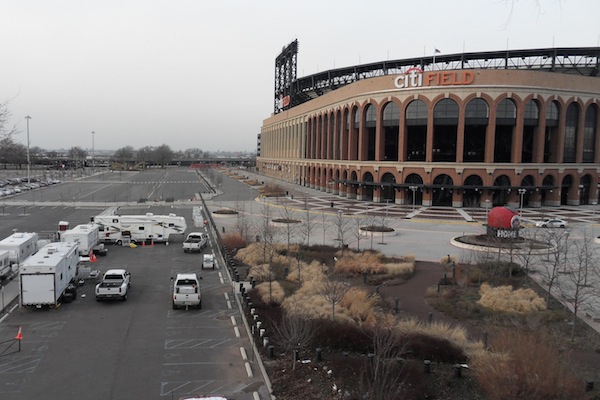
[{"x": 186, "y": 291}]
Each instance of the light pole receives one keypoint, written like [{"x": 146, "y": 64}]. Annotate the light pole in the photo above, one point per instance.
[
  {"x": 521, "y": 194},
  {"x": 487, "y": 209},
  {"x": 594, "y": 204},
  {"x": 28, "y": 162},
  {"x": 93, "y": 149},
  {"x": 414, "y": 189}
]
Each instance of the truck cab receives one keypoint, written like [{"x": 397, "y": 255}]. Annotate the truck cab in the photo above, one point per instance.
[{"x": 186, "y": 291}]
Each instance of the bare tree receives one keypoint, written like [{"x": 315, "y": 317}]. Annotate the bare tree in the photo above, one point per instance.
[
  {"x": 575, "y": 281},
  {"x": 267, "y": 235},
  {"x": 382, "y": 377},
  {"x": 324, "y": 225},
  {"x": 5, "y": 115},
  {"x": 124, "y": 155},
  {"x": 307, "y": 227},
  {"x": 342, "y": 225},
  {"x": 528, "y": 254},
  {"x": 358, "y": 233},
  {"x": 556, "y": 257},
  {"x": 333, "y": 291},
  {"x": 286, "y": 214},
  {"x": 78, "y": 154},
  {"x": 295, "y": 331},
  {"x": 163, "y": 155},
  {"x": 369, "y": 220},
  {"x": 242, "y": 224},
  {"x": 145, "y": 155}
]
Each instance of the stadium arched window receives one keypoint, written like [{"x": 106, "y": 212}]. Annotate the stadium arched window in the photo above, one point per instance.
[
  {"x": 571, "y": 133},
  {"x": 589, "y": 133},
  {"x": 506, "y": 112},
  {"x": 391, "y": 114},
  {"x": 477, "y": 112},
  {"x": 416, "y": 113}
]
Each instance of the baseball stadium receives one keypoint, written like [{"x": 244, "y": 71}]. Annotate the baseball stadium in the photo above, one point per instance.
[{"x": 512, "y": 127}]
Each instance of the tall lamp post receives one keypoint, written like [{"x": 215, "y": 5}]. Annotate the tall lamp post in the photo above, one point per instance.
[
  {"x": 414, "y": 189},
  {"x": 93, "y": 149},
  {"x": 594, "y": 204},
  {"x": 521, "y": 194},
  {"x": 28, "y": 161}
]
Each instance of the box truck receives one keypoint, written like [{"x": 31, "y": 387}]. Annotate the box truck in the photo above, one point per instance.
[
  {"x": 86, "y": 236},
  {"x": 48, "y": 274},
  {"x": 20, "y": 245}
]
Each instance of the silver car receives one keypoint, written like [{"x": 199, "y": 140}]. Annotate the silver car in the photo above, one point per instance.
[{"x": 552, "y": 223}]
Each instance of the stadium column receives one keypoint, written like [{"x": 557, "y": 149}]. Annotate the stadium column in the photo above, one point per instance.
[{"x": 517, "y": 139}]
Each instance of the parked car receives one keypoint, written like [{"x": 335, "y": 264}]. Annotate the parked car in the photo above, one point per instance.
[{"x": 552, "y": 223}]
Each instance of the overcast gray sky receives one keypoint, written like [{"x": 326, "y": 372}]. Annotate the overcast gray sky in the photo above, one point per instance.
[{"x": 200, "y": 74}]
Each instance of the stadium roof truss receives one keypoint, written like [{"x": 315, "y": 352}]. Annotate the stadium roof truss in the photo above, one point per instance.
[{"x": 582, "y": 61}]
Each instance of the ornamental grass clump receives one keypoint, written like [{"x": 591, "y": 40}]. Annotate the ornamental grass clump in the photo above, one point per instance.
[
  {"x": 271, "y": 292},
  {"x": 255, "y": 254},
  {"x": 372, "y": 264},
  {"x": 504, "y": 298},
  {"x": 305, "y": 272},
  {"x": 356, "y": 305}
]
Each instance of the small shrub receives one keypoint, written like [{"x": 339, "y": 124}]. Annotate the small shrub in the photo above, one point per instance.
[
  {"x": 447, "y": 259},
  {"x": 427, "y": 347},
  {"x": 340, "y": 335},
  {"x": 233, "y": 240}
]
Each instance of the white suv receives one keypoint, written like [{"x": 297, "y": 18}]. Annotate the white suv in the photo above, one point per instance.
[{"x": 186, "y": 291}]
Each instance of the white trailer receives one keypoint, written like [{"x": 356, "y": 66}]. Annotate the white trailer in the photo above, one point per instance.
[
  {"x": 5, "y": 264},
  {"x": 139, "y": 228},
  {"x": 86, "y": 236},
  {"x": 46, "y": 275},
  {"x": 20, "y": 245}
]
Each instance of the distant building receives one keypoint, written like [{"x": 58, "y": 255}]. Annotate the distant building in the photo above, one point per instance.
[{"x": 509, "y": 127}]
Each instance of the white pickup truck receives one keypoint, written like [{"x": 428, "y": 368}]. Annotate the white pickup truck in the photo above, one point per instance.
[
  {"x": 186, "y": 291},
  {"x": 114, "y": 286},
  {"x": 195, "y": 241}
]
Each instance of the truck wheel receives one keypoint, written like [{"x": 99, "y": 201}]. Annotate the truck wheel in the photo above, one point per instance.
[
  {"x": 125, "y": 297},
  {"x": 174, "y": 306},
  {"x": 200, "y": 305},
  {"x": 119, "y": 242}
]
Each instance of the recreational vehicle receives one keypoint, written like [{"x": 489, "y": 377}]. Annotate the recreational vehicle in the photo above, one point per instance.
[
  {"x": 139, "y": 228},
  {"x": 20, "y": 245}
]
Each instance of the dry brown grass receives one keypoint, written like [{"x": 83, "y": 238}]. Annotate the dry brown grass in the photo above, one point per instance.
[
  {"x": 356, "y": 305},
  {"x": 271, "y": 292},
  {"x": 233, "y": 240},
  {"x": 254, "y": 254},
  {"x": 526, "y": 369},
  {"x": 373, "y": 264},
  {"x": 308, "y": 272},
  {"x": 271, "y": 190},
  {"x": 504, "y": 298}
]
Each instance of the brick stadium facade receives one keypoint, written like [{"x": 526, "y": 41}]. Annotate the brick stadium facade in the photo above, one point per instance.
[{"x": 465, "y": 130}]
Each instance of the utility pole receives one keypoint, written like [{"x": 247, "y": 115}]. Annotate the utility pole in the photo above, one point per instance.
[{"x": 28, "y": 161}]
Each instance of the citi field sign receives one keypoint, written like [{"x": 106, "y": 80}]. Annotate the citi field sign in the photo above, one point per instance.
[{"x": 415, "y": 77}]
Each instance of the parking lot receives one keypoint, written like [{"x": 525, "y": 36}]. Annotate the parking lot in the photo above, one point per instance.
[{"x": 139, "y": 348}]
